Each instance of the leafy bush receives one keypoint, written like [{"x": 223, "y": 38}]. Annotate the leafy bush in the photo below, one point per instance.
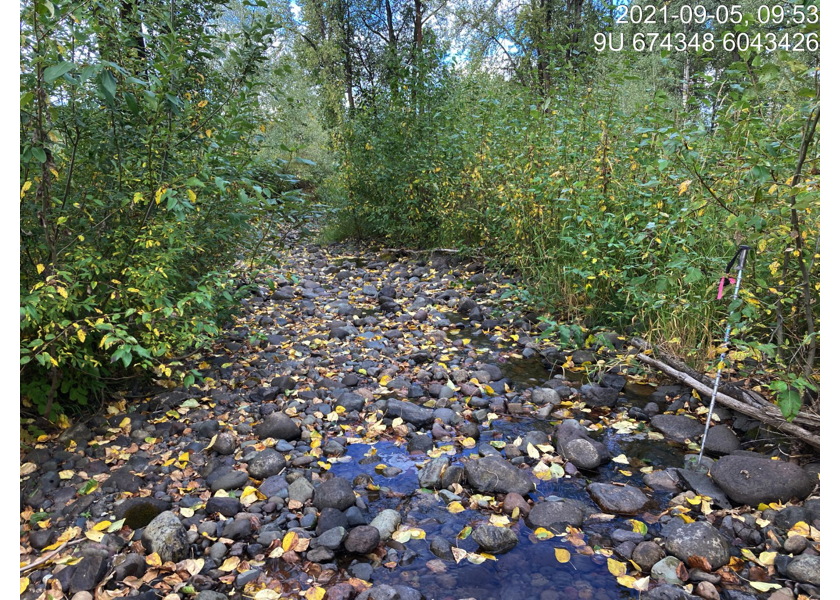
[{"x": 139, "y": 187}]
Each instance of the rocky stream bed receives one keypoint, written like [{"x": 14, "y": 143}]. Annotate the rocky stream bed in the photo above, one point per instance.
[{"x": 387, "y": 427}]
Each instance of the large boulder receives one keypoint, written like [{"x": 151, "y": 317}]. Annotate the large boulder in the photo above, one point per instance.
[
  {"x": 698, "y": 539},
  {"x": 752, "y": 480},
  {"x": 492, "y": 474},
  {"x": 677, "y": 428},
  {"x": 166, "y": 536}
]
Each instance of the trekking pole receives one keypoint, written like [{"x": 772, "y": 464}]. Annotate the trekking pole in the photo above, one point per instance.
[{"x": 741, "y": 259}]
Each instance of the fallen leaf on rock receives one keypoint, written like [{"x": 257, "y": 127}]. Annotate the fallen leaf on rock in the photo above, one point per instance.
[
  {"x": 229, "y": 565},
  {"x": 499, "y": 520},
  {"x": 24, "y": 583},
  {"x": 28, "y": 469},
  {"x": 314, "y": 593},
  {"x": 638, "y": 526},
  {"x": 562, "y": 555},
  {"x": 153, "y": 560},
  {"x": 68, "y": 535},
  {"x": 455, "y": 507},
  {"x": 267, "y": 594},
  {"x": 616, "y": 567},
  {"x": 699, "y": 562},
  {"x": 763, "y": 586}
]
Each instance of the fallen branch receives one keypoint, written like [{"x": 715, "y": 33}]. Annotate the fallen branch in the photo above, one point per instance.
[
  {"x": 746, "y": 396},
  {"x": 48, "y": 557},
  {"x": 770, "y": 415}
]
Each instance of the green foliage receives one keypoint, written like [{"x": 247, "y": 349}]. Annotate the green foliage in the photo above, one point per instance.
[
  {"x": 139, "y": 187},
  {"x": 619, "y": 200}
]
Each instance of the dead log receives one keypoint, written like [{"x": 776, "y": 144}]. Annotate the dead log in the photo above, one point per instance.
[
  {"x": 746, "y": 396},
  {"x": 770, "y": 416}
]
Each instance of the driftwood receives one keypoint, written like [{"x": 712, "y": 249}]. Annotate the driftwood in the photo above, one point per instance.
[
  {"x": 746, "y": 396},
  {"x": 769, "y": 415}
]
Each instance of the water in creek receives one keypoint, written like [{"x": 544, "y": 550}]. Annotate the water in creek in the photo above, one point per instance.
[{"x": 530, "y": 570}]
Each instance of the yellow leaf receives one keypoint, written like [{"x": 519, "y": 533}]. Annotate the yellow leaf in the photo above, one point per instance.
[
  {"x": 81, "y": 335},
  {"x": 562, "y": 555},
  {"x": 314, "y": 593},
  {"x": 67, "y": 474},
  {"x": 801, "y": 528},
  {"x": 455, "y": 507},
  {"x": 542, "y": 472},
  {"x": 23, "y": 191},
  {"x": 499, "y": 520},
  {"x": 468, "y": 442},
  {"x": 65, "y": 537},
  {"x": 153, "y": 560},
  {"x": 212, "y": 441},
  {"x": 626, "y": 473},
  {"x": 684, "y": 186},
  {"x": 616, "y": 567},
  {"x": 543, "y": 533},
  {"x": 191, "y": 195},
  {"x": 533, "y": 452},
  {"x": 267, "y": 594},
  {"x": 40, "y": 268},
  {"x": 186, "y": 512},
  {"x": 621, "y": 459},
  {"x": 639, "y": 526},
  {"x": 627, "y": 580},
  {"x": 289, "y": 541},
  {"x": 101, "y": 526},
  {"x": 762, "y": 586},
  {"x": 208, "y": 132},
  {"x": 184, "y": 457},
  {"x": 24, "y": 581},
  {"x": 230, "y": 564},
  {"x": 61, "y": 291},
  {"x": 459, "y": 554},
  {"x": 27, "y": 468},
  {"x": 95, "y": 536},
  {"x": 687, "y": 519},
  {"x": 767, "y": 558}
]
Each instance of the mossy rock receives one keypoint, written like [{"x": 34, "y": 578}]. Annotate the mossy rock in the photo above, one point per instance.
[{"x": 139, "y": 512}]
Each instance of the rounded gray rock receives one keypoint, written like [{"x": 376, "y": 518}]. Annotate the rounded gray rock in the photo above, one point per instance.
[
  {"x": 495, "y": 540},
  {"x": 698, "y": 539},
  {"x": 166, "y": 536},
  {"x": 334, "y": 493}
]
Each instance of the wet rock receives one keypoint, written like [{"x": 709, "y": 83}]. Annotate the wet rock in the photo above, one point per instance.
[
  {"x": 493, "y": 474},
  {"x": 132, "y": 565},
  {"x": 722, "y": 440},
  {"x": 596, "y": 396},
  {"x": 669, "y": 592},
  {"x": 612, "y": 380},
  {"x": 749, "y": 480},
  {"x": 362, "y": 540},
  {"x": 237, "y": 529},
  {"x": 647, "y": 554},
  {"x": 420, "y": 443},
  {"x": 388, "y": 592},
  {"x": 666, "y": 570},
  {"x": 622, "y": 500},
  {"x": 278, "y": 426},
  {"x": 386, "y": 522},
  {"x": 702, "y": 485},
  {"x": 698, "y": 539},
  {"x": 343, "y": 591},
  {"x": 665, "y": 481},
  {"x": 166, "y": 536},
  {"x": 790, "y": 516},
  {"x": 795, "y": 544},
  {"x": 554, "y": 516},
  {"x": 677, "y": 428},
  {"x": 514, "y": 500},
  {"x": 41, "y": 538},
  {"x": 583, "y": 356},
  {"x": 430, "y": 475},
  {"x": 805, "y": 568},
  {"x": 573, "y": 443},
  {"x": 495, "y": 540},
  {"x": 451, "y": 474},
  {"x": 441, "y": 547},
  {"x": 334, "y": 493},
  {"x": 266, "y": 463},
  {"x": 544, "y": 396},
  {"x": 411, "y": 413}
]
